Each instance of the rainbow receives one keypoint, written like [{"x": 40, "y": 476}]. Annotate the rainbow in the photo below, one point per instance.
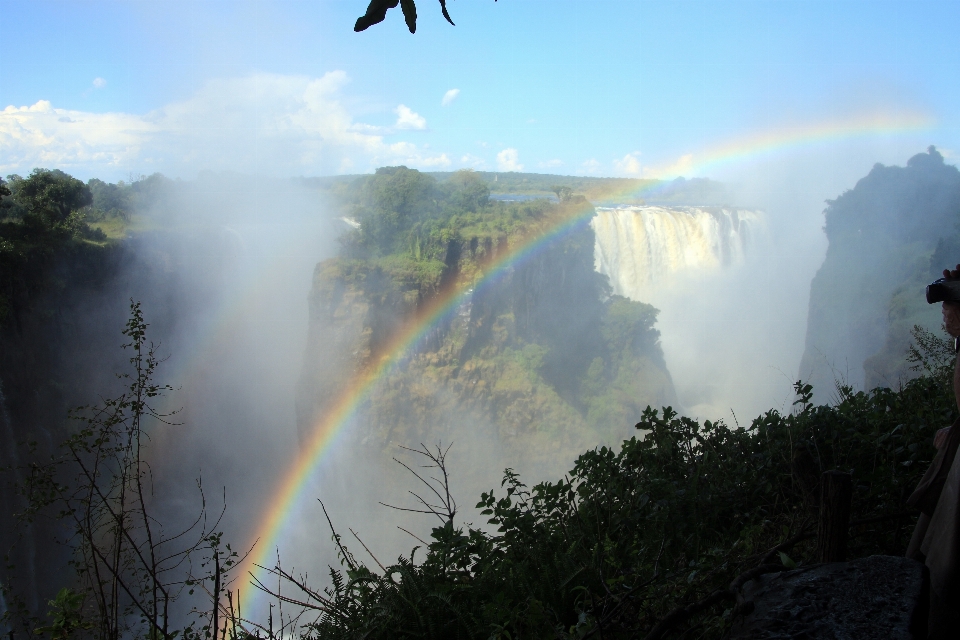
[
  {"x": 440, "y": 309},
  {"x": 789, "y": 138},
  {"x": 437, "y": 311}
]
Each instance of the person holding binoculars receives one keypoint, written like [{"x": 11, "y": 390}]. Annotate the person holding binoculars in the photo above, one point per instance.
[{"x": 936, "y": 538}]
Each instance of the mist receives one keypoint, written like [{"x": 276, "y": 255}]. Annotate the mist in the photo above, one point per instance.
[
  {"x": 232, "y": 261},
  {"x": 732, "y": 338},
  {"x": 224, "y": 266},
  {"x": 237, "y": 258}
]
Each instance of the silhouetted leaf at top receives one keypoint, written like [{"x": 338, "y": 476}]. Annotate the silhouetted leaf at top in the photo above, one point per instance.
[
  {"x": 409, "y": 14},
  {"x": 443, "y": 8},
  {"x": 377, "y": 11}
]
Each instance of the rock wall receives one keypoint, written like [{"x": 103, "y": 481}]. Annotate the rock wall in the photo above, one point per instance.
[
  {"x": 539, "y": 365},
  {"x": 875, "y": 598},
  {"x": 869, "y": 292}
]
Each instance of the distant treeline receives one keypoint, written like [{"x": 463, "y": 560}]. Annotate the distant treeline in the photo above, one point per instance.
[{"x": 600, "y": 191}]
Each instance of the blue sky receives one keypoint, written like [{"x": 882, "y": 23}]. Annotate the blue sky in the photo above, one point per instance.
[{"x": 114, "y": 88}]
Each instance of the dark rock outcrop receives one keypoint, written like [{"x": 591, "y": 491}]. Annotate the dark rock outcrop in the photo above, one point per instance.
[
  {"x": 880, "y": 597},
  {"x": 889, "y": 236}
]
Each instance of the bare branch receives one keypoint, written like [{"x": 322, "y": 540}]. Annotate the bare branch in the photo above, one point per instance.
[{"x": 367, "y": 549}]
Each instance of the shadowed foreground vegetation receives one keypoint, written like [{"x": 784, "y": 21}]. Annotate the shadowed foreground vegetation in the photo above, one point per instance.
[
  {"x": 629, "y": 536},
  {"x": 640, "y": 542}
]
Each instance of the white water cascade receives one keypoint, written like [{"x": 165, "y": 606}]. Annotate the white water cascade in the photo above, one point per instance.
[
  {"x": 711, "y": 272},
  {"x": 647, "y": 248}
]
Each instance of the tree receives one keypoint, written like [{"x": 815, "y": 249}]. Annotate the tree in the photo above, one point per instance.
[
  {"x": 109, "y": 200},
  {"x": 5, "y": 202},
  {"x": 51, "y": 196},
  {"x": 563, "y": 193},
  {"x": 467, "y": 190},
  {"x": 388, "y": 202},
  {"x": 41, "y": 221}
]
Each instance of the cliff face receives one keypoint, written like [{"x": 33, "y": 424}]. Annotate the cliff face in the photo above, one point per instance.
[
  {"x": 540, "y": 364},
  {"x": 869, "y": 292},
  {"x": 52, "y": 357},
  {"x": 63, "y": 351}
]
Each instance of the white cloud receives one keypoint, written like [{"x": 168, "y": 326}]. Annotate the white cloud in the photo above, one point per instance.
[
  {"x": 509, "y": 160},
  {"x": 409, "y": 119},
  {"x": 629, "y": 165},
  {"x": 363, "y": 127},
  {"x": 679, "y": 167},
  {"x": 99, "y": 83},
  {"x": 433, "y": 162},
  {"x": 590, "y": 166},
  {"x": 263, "y": 123},
  {"x": 470, "y": 160},
  {"x": 41, "y": 136},
  {"x": 449, "y": 97}
]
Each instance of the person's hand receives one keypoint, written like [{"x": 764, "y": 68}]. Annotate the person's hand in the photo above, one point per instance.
[
  {"x": 941, "y": 437},
  {"x": 951, "y": 310},
  {"x": 951, "y": 318}
]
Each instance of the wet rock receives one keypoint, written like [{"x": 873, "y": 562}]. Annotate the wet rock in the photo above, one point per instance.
[{"x": 880, "y": 597}]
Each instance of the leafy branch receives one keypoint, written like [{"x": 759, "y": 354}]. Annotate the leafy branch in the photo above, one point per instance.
[{"x": 377, "y": 12}]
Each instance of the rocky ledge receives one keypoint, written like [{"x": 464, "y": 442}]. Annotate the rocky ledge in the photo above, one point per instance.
[{"x": 880, "y": 597}]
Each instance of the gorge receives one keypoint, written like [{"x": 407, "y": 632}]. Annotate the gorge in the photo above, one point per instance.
[{"x": 551, "y": 348}]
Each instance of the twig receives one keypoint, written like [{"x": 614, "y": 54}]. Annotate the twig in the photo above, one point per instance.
[
  {"x": 367, "y": 549},
  {"x": 336, "y": 538},
  {"x": 418, "y": 538}
]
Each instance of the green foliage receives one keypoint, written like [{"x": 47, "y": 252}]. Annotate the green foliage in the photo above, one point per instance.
[
  {"x": 612, "y": 390},
  {"x": 401, "y": 210},
  {"x": 671, "y": 516},
  {"x": 66, "y": 616},
  {"x": 46, "y": 236},
  {"x": 109, "y": 201},
  {"x": 520, "y": 352},
  {"x": 41, "y": 221},
  {"x": 48, "y": 198},
  {"x": 564, "y": 193},
  {"x": 600, "y": 191},
  {"x": 413, "y": 227}
]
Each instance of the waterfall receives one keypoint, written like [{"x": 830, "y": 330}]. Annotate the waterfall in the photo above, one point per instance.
[
  {"x": 641, "y": 249},
  {"x": 714, "y": 274}
]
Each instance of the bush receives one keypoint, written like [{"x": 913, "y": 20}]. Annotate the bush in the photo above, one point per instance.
[{"x": 671, "y": 517}]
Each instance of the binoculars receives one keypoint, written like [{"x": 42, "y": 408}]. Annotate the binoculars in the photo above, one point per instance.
[{"x": 943, "y": 290}]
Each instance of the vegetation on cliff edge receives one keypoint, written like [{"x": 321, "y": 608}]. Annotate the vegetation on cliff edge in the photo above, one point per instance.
[{"x": 544, "y": 358}]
